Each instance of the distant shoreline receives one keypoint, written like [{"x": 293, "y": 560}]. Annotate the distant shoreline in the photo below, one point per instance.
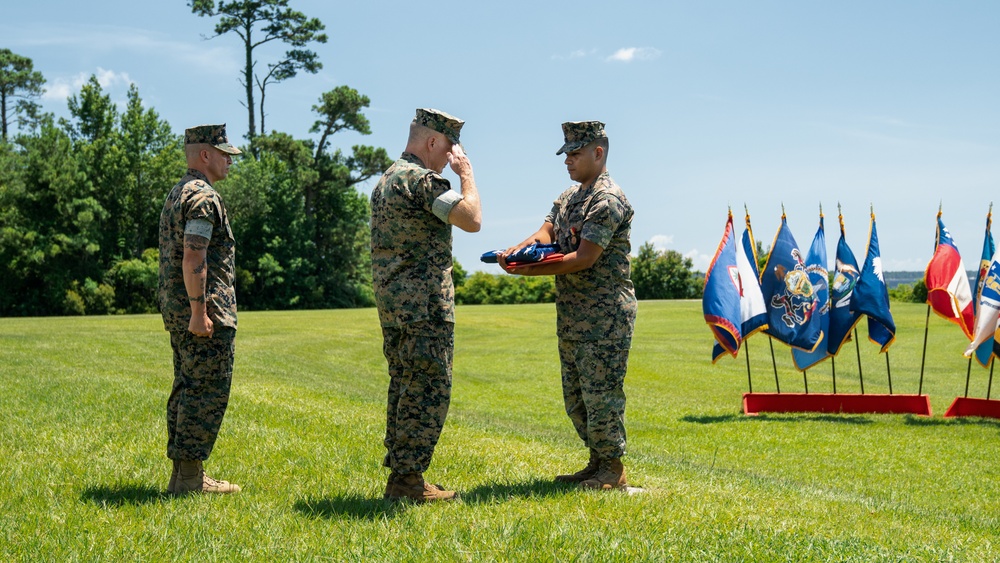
[{"x": 893, "y": 279}]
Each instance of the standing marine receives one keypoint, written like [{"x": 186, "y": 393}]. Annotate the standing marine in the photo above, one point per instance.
[
  {"x": 413, "y": 210},
  {"x": 595, "y": 301},
  {"x": 198, "y": 304}
]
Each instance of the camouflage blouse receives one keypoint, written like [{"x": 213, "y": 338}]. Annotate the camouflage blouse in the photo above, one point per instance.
[
  {"x": 411, "y": 246},
  {"x": 194, "y": 198},
  {"x": 597, "y": 303}
]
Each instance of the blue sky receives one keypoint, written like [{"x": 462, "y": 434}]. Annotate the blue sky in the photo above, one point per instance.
[{"x": 890, "y": 104}]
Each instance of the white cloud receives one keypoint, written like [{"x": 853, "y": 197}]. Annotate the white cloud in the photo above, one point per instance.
[
  {"x": 109, "y": 78},
  {"x": 578, "y": 54},
  {"x": 629, "y": 54},
  {"x": 59, "y": 89},
  {"x": 660, "y": 242},
  {"x": 700, "y": 261}
]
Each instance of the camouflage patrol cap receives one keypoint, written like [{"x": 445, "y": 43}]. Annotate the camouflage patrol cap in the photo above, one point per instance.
[
  {"x": 448, "y": 125},
  {"x": 579, "y": 134},
  {"x": 214, "y": 135}
]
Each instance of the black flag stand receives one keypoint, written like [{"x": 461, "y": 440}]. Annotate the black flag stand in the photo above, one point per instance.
[
  {"x": 833, "y": 367},
  {"x": 746, "y": 353},
  {"x": 774, "y": 364},
  {"x": 923, "y": 355},
  {"x": 990, "y": 384},
  {"x": 805, "y": 380},
  {"x": 888, "y": 371},
  {"x": 857, "y": 348},
  {"x": 968, "y": 372}
]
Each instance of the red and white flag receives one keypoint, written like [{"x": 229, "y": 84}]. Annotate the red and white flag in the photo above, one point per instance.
[{"x": 948, "y": 290}]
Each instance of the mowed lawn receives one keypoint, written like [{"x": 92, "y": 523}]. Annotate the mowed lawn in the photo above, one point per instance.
[{"x": 83, "y": 468}]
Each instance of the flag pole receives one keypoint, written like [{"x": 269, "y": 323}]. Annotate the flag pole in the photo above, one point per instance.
[
  {"x": 857, "y": 348},
  {"x": 927, "y": 320},
  {"x": 774, "y": 364},
  {"x": 968, "y": 372},
  {"x": 833, "y": 366},
  {"x": 990, "y": 384},
  {"x": 746, "y": 352},
  {"x": 805, "y": 380},
  {"x": 888, "y": 371},
  {"x": 923, "y": 355}
]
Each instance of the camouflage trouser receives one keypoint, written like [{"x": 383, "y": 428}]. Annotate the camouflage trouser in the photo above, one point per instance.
[
  {"x": 593, "y": 376},
  {"x": 203, "y": 373},
  {"x": 419, "y": 357}
]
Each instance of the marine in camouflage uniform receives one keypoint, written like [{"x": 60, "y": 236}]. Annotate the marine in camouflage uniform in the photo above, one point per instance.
[
  {"x": 200, "y": 312},
  {"x": 413, "y": 210},
  {"x": 595, "y": 300}
]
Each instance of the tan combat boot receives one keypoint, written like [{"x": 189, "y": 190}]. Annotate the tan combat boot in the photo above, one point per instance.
[
  {"x": 390, "y": 485},
  {"x": 610, "y": 475},
  {"x": 173, "y": 477},
  {"x": 412, "y": 486},
  {"x": 583, "y": 474},
  {"x": 191, "y": 478}
]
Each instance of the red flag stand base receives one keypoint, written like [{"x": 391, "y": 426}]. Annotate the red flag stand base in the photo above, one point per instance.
[
  {"x": 755, "y": 403},
  {"x": 965, "y": 406}
]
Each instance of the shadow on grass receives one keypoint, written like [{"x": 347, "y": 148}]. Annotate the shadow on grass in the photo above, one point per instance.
[
  {"x": 499, "y": 492},
  {"x": 129, "y": 494},
  {"x": 912, "y": 420},
  {"x": 765, "y": 417},
  {"x": 363, "y": 508},
  {"x": 350, "y": 506}
]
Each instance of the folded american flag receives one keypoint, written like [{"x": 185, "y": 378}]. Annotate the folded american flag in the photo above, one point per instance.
[{"x": 535, "y": 252}]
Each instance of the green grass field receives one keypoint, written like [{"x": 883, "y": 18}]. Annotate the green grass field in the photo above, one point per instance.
[{"x": 83, "y": 471}]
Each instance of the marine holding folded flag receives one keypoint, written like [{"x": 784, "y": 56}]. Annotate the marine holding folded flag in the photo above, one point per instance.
[{"x": 595, "y": 300}]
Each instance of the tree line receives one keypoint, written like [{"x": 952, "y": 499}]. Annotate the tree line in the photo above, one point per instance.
[{"x": 81, "y": 196}]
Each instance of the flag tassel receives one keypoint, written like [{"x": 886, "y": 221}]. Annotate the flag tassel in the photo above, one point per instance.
[{"x": 857, "y": 348}]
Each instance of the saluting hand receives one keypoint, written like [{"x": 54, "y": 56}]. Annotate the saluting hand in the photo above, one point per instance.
[{"x": 458, "y": 160}]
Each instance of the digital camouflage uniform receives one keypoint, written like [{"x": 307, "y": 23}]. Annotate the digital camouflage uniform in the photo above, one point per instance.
[
  {"x": 203, "y": 367},
  {"x": 595, "y": 308},
  {"x": 411, "y": 267}
]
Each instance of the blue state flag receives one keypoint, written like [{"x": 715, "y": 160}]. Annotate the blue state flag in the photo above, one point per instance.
[
  {"x": 790, "y": 297},
  {"x": 720, "y": 302},
  {"x": 753, "y": 313},
  {"x": 817, "y": 270},
  {"x": 871, "y": 296},
  {"x": 842, "y": 318},
  {"x": 985, "y": 350}
]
